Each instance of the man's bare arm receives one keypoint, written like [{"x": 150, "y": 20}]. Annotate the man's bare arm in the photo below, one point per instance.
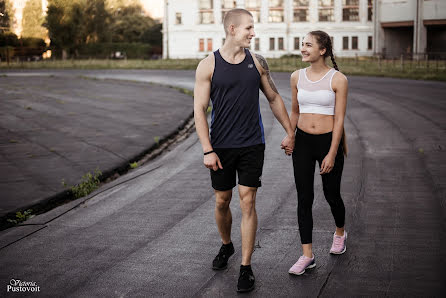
[
  {"x": 202, "y": 92},
  {"x": 265, "y": 67},
  {"x": 275, "y": 100}
]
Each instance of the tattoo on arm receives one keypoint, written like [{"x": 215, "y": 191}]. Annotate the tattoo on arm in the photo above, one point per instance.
[{"x": 265, "y": 66}]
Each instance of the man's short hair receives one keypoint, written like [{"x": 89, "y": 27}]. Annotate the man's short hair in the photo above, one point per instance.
[{"x": 232, "y": 17}]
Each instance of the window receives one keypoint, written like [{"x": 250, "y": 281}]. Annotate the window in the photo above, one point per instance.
[
  {"x": 256, "y": 44},
  {"x": 201, "y": 45},
  {"x": 206, "y": 12},
  {"x": 210, "y": 44},
  {"x": 369, "y": 10},
  {"x": 354, "y": 42},
  {"x": 296, "y": 43},
  {"x": 271, "y": 43},
  {"x": 281, "y": 43},
  {"x": 345, "y": 42},
  {"x": 370, "y": 43},
  {"x": 326, "y": 10},
  {"x": 350, "y": 10},
  {"x": 178, "y": 18},
  {"x": 332, "y": 40},
  {"x": 300, "y": 8},
  {"x": 253, "y": 6},
  {"x": 276, "y": 14},
  {"x": 227, "y": 5},
  {"x": 223, "y": 41}
]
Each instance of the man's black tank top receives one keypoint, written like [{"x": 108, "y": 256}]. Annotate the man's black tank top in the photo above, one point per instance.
[{"x": 236, "y": 120}]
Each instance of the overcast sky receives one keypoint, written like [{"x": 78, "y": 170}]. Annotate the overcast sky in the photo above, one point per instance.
[{"x": 154, "y": 7}]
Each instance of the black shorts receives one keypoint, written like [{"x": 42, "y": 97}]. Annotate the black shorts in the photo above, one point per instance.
[{"x": 247, "y": 162}]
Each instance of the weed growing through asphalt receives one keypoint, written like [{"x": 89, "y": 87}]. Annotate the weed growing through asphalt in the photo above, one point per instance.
[
  {"x": 21, "y": 217},
  {"x": 88, "y": 184},
  {"x": 134, "y": 165},
  {"x": 157, "y": 140}
]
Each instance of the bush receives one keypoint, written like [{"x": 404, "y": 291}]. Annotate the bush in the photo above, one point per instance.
[
  {"x": 8, "y": 39},
  {"x": 104, "y": 50}
]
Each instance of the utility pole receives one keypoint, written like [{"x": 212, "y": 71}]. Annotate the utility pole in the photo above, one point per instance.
[{"x": 166, "y": 30}]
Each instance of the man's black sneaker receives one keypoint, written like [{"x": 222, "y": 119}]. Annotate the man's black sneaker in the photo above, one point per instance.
[
  {"x": 246, "y": 280},
  {"x": 221, "y": 260}
]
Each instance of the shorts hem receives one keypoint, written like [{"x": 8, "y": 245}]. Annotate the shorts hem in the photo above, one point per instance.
[
  {"x": 243, "y": 184},
  {"x": 222, "y": 188}
]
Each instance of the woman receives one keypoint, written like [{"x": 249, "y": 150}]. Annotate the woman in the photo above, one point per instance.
[{"x": 319, "y": 98}]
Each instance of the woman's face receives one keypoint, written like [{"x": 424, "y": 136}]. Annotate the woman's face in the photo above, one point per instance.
[{"x": 310, "y": 49}]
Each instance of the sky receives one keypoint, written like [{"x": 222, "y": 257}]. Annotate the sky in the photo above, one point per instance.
[{"x": 154, "y": 7}]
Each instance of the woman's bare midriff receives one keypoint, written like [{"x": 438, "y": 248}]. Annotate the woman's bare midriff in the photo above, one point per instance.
[{"x": 315, "y": 123}]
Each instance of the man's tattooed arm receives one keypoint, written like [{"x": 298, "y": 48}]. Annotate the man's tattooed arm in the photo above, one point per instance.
[{"x": 265, "y": 66}]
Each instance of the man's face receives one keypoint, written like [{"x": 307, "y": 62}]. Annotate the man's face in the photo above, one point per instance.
[{"x": 244, "y": 32}]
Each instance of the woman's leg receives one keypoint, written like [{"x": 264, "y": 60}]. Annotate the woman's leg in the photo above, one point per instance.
[
  {"x": 332, "y": 182},
  {"x": 304, "y": 164}
]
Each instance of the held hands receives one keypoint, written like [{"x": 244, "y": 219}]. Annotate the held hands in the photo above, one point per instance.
[
  {"x": 211, "y": 161},
  {"x": 288, "y": 144},
  {"x": 327, "y": 164}
]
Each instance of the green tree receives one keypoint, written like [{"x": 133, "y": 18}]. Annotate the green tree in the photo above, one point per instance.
[
  {"x": 33, "y": 19},
  {"x": 129, "y": 24},
  {"x": 6, "y": 15},
  {"x": 96, "y": 22}
]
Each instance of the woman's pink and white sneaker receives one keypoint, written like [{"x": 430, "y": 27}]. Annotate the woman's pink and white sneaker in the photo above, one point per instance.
[
  {"x": 303, "y": 263},
  {"x": 339, "y": 246}
]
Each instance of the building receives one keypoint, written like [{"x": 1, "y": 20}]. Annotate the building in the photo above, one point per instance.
[
  {"x": 410, "y": 28},
  {"x": 193, "y": 28}
]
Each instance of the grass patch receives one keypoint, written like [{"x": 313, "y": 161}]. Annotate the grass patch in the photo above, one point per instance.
[
  {"x": 363, "y": 66},
  {"x": 134, "y": 165},
  {"x": 88, "y": 184},
  {"x": 21, "y": 216}
]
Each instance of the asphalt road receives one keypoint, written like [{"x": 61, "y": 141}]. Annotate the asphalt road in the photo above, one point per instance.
[
  {"x": 58, "y": 128},
  {"x": 152, "y": 232}
]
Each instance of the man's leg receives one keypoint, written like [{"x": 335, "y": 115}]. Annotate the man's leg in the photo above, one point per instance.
[
  {"x": 223, "y": 215},
  {"x": 249, "y": 221}
]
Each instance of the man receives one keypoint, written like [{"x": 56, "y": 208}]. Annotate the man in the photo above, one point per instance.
[{"x": 231, "y": 77}]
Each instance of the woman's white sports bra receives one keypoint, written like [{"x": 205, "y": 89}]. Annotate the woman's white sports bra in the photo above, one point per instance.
[{"x": 316, "y": 97}]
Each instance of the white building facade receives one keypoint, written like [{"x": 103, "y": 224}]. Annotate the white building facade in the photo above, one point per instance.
[{"x": 193, "y": 28}]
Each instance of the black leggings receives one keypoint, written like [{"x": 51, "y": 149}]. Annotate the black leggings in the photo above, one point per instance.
[{"x": 307, "y": 150}]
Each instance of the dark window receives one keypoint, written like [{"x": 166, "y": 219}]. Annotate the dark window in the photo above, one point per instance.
[
  {"x": 209, "y": 44},
  {"x": 178, "y": 18},
  {"x": 223, "y": 41},
  {"x": 256, "y": 44},
  {"x": 350, "y": 10},
  {"x": 276, "y": 11},
  {"x": 354, "y": 42},
  {"x": 271, "y": 43},
  {"x": 326, "y": 10},
  {"x": 300, "y": 13},
  {"x": 281, "y": 43},
  {"x": 206, "y": 12},
  {"x": 369, "y": 10},
  {"x": 201, "y": 45},
  {"x": 345, "y": 42},
  {"x": 253, "y": 6},
  {"x": 370, "y": 43},
  {"x": 296, "y": 43}
]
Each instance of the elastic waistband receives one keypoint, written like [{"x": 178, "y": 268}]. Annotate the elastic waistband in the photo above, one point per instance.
[{"x": 303, "y": 133}]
